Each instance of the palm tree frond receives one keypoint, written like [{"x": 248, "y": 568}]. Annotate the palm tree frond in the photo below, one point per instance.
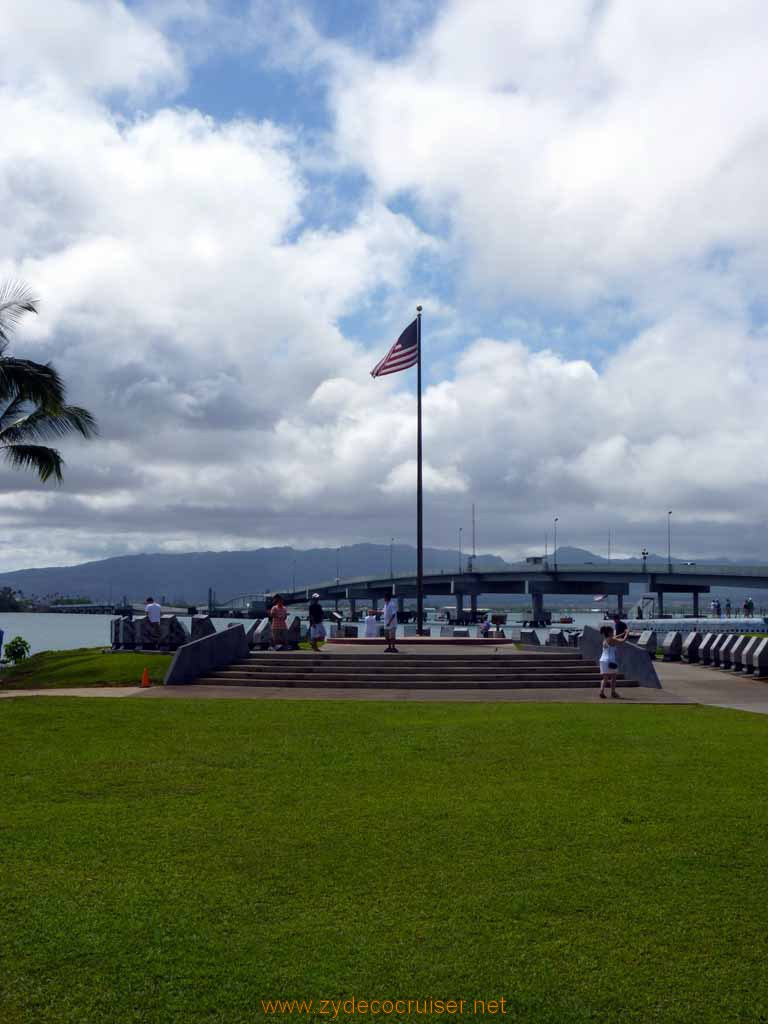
[
  {"x": 13, "y": 412},
  {"x": 47, "y": 425},
  {"x": 47, "y": 462},
  {"x": 37, "y": 382},
  {"x": 79, "y": 420},
  {"x": 16, "y": 299}
]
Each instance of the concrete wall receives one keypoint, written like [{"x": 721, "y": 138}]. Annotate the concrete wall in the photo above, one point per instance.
[
  {"x": 634, "y": 663},
  {"x": 195, "y": 659}
]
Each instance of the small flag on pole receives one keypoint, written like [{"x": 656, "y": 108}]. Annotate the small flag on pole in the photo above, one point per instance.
[{"x": 403, "y": 354}]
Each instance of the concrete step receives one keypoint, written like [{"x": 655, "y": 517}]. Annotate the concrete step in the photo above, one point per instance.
[
  {"x": 523, "y": 683},
  {"x": 586, "y": 676},
  {"x": 415, "y": 677},
  {"x": 288, "y": 664}
]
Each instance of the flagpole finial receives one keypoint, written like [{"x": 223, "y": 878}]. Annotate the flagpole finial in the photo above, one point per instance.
[{"x": 418, "y": 309}]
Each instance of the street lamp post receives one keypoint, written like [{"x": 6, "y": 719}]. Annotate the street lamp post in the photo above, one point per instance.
[
  {"x": 294, "y": 576},
  {"x": 338, "y": 565},
  {"x": 669, "y": 541},
  {"x": 461, "y": 530},
  {"x": 554, "y": 542},
  {"x": 644, "y": 555},
  {"x": 391, "y": 563}
]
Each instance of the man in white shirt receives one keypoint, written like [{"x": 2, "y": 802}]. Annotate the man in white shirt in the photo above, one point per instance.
[
  {"x": 390, "y": 623},
  {"x": 154, "y": 612},
  {"x": 371, "y": 624}
]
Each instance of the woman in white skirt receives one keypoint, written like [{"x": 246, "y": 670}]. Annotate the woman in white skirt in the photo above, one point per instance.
[{"x": 608, "y": 664}]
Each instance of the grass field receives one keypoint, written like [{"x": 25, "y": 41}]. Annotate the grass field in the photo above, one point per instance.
[
  {"x": 178, "y": 862},
  {"x": 85, "y": 666}
]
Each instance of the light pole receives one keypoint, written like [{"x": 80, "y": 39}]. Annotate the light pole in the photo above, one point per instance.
[
  {"x": 461, "y": 530},
  {"x": 669, "y": 541},
  {"x": 554, "y": 542},
  {"x": 338, "y": 565},
  {"x": 294, "y": 576},
  {"x": 391, "y": 563},
  {"x": 644, "y": 555}
]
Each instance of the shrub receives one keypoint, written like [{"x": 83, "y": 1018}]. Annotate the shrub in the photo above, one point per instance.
[{"x": 16, "y": 650}]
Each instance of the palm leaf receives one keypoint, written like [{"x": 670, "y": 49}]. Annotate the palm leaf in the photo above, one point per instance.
[
  {"x": 46, "y": 425},
  {"x": 46, "y": 461},
  {"x": 38, "y": 382},
  {"x": 16, "y": 299},
  {"x": 13, "y": 412}
]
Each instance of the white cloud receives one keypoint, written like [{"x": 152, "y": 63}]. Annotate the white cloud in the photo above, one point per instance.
[
  {"x": 74, "y": 46},
  {"x": 579, "y": 153}
]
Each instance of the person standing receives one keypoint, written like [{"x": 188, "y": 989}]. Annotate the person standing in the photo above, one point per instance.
[
  {"x": 154, "y": 614},
  {"x": 278, "y": 615},
  {"x": 608, "y": 665},
  {"x": 620, "y": 627},
  {"x": 371, "y": 624},
  {"x": 728, "y": 608},
  {"x": 316, "y": 627},
  {"x": 390, "y": 622}
]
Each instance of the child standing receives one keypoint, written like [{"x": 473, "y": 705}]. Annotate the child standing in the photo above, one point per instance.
[{"x": 608, "y": 664}]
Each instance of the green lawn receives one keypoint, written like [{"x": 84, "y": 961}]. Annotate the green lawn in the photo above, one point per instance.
[
  {"x": 177, "y": 862},
  {"x": 85, "y": 666}
]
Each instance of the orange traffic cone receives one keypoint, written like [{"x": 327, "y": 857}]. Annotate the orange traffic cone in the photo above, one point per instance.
[{"x": 145, "y": 677}]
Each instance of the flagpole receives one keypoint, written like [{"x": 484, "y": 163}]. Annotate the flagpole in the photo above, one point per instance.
[{"x": 419, "y": 509}]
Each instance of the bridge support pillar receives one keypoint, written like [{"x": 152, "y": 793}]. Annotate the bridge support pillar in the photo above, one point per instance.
[
  {"x": 537, "y": 600},
  {"x": 400, "y": 605},
  {"x": 620, "y": 604},
  {"x": 473, "y": 607},
  {"x": 696, "y": 603},
  {"x": 352, "y": 608},
  {"x": 459, "y": 606},
  {"x": 375, "y": 603},
  {"x": 660, "y": 602}
]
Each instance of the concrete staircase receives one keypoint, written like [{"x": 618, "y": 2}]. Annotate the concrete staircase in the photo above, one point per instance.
[{"x": 439, "y": 671}]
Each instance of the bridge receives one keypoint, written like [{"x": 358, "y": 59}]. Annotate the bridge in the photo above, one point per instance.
[{"x": 537, "y": 578}]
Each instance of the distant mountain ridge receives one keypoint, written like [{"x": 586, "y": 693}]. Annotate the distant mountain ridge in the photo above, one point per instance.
[{"x": 185, "y": 578}]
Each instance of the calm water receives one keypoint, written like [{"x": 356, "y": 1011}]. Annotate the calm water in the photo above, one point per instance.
[
  {"x": 65, "y": 632},
  {"x": 60, "y": 632}
]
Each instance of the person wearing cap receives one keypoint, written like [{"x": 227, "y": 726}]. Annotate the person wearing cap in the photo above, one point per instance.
[{"x": 316, "y": 627}]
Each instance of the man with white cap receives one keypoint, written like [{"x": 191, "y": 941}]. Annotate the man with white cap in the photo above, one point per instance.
[{"x": 316, "y": 627}]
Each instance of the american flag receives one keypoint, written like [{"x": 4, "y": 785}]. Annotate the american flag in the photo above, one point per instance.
[{"x": 403, "y": 354}]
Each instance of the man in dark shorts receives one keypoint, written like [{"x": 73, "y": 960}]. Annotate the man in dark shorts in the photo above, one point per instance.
[{"x": 316, "y": 627}]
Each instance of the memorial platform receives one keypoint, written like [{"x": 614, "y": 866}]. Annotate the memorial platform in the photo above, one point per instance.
[{"x": 452, "y": 666}]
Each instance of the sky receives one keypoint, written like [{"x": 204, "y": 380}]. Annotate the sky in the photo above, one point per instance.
[{"x": 229, "y": 211}]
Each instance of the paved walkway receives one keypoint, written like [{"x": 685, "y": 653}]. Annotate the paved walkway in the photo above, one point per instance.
[
  {"x": 682, "y": 684},
  {"x": 714, "y": 686}
]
